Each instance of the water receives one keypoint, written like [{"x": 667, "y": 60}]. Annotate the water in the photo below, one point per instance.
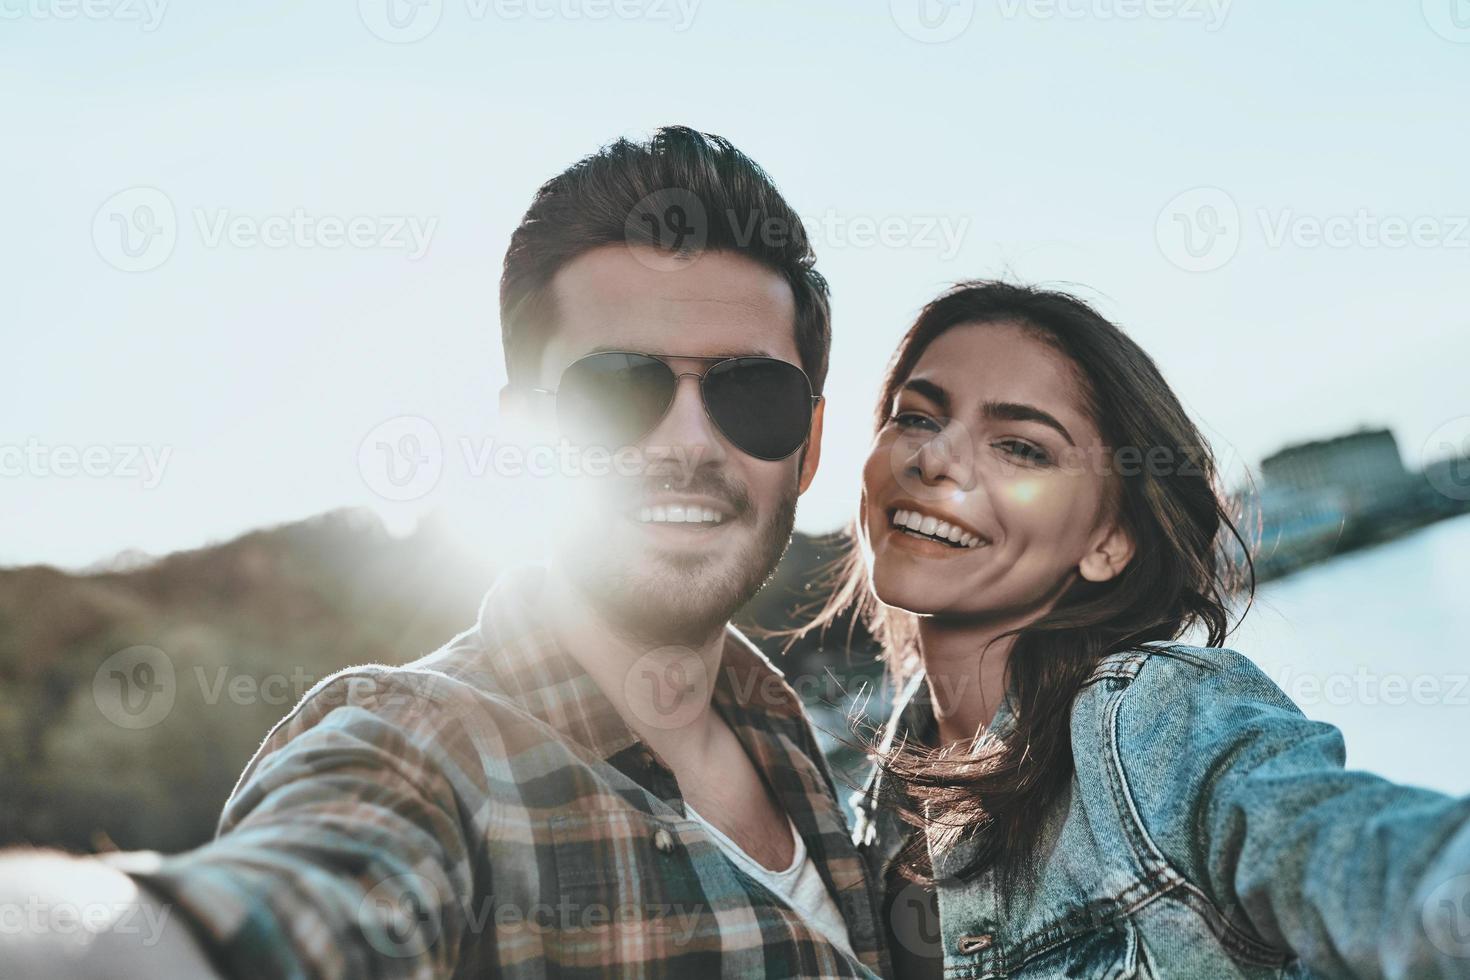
[{"x": 1377, "y": 642}]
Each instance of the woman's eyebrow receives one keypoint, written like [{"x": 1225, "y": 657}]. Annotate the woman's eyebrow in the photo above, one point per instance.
[
  {"x": 1003, "y": 411},
  {"x": 1016, "y": 412},
  {"x": 929, "y": 390}
]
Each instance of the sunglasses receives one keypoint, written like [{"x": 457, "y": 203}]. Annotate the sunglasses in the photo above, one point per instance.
[{"x": 762, "y": 405}]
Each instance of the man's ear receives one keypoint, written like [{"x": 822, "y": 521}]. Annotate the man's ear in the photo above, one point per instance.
[
  {"x": 812, "y": 454},
  {"x": 1109, "y": 555}
]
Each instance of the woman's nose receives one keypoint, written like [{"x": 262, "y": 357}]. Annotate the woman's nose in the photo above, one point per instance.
[{"x": 946, "y": 457}]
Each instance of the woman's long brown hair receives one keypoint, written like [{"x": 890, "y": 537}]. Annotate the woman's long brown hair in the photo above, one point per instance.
[{"x": 1179, "y": 577}]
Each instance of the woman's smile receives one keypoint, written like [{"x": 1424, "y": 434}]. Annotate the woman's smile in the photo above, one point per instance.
[{"x": 925, "y": 524}]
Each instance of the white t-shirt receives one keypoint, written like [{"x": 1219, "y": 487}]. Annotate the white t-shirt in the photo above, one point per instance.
[{"x": 799, "y": 885}]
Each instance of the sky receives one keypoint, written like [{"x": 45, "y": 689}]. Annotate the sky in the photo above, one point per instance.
[{"x": 251, "y": 251}]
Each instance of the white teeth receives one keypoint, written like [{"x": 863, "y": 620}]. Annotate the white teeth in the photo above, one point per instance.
[
  {"x": 679, "y": 514},
  {"x": 934, "y": 527}
]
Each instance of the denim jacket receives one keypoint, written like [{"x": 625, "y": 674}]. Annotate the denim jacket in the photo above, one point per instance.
[{"x": 1210, "y": 830}]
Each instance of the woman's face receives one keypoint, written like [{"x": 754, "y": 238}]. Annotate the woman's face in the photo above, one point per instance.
[{"x": 986, "y": 491}]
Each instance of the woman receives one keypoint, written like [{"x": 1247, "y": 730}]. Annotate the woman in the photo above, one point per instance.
[{"x": 1073, "y": 790}]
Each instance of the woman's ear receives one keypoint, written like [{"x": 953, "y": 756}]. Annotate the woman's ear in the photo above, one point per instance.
[{"x": 1108, "y": 556}]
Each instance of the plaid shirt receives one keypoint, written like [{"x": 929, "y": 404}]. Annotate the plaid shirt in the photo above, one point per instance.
[{"x": 485, "y": 811}]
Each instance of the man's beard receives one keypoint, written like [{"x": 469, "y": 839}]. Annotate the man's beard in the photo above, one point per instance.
[{"x": 682, "y": 599}]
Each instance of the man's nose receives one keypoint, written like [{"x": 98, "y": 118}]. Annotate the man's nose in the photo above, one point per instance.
[{"x": 685, "y": 435}]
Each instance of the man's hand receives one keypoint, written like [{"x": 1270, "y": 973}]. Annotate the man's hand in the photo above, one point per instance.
[{"x": 78, "y": 918}]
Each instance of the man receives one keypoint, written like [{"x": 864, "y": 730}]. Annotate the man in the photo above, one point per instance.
[{"x": 601, "y": 777}]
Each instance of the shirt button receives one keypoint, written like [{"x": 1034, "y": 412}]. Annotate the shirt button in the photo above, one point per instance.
[{"x": 663, "y": 841}]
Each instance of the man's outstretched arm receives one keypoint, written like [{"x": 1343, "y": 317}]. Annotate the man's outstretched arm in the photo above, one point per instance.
[
  {"x": 73, "y": 918},
  {"x": 343, "y": 853}
]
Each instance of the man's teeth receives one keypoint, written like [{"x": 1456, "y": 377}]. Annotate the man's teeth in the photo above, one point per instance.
[
  {"x": 933, "y": 527},
  {"x": 677, "y": 514}
]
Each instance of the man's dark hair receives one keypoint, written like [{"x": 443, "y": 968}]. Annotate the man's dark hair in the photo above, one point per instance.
[{"x": 682, "y": 191}]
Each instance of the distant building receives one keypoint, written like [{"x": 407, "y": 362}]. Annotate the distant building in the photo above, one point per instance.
[
  {"x": 1320, "y": 498},
  {"x": 1364, "y": 466}
]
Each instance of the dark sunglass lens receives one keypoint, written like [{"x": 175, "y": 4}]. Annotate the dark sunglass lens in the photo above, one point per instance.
[
  {"x": 612, "y": 399},
  {"x": 762, "y": 405}
]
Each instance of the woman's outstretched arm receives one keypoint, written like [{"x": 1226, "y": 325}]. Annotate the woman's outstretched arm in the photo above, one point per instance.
[{"x": 1249, "y": 800}]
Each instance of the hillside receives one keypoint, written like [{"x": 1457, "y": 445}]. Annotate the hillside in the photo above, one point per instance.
[{"x": 103, "y": 744}]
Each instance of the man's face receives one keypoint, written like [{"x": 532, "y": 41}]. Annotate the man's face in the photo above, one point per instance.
[{"x": 677, "y": 582}]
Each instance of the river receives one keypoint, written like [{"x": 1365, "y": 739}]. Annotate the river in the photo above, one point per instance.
[{"x": 1377, "y": 642}]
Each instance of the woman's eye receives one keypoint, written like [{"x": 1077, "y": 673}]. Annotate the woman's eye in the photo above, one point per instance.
[
  {"x": 915, "y": 420},
  {"x": 1024, "y": 452}
]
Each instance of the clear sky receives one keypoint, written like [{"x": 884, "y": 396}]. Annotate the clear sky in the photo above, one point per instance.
[{"x": 1271, "y": 197}]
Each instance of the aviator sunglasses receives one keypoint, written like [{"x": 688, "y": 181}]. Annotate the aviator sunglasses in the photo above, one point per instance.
[{"x": 762, "y": 405}]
